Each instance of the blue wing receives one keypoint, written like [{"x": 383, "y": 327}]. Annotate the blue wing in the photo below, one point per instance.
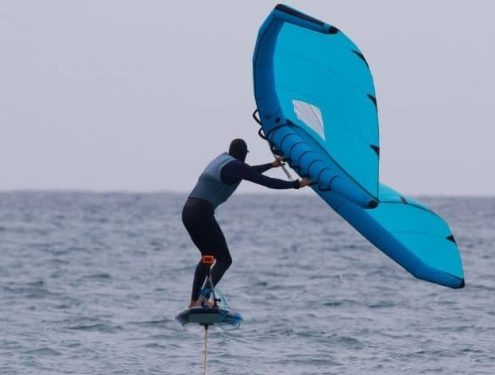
[{"x": 316, "y": 99}]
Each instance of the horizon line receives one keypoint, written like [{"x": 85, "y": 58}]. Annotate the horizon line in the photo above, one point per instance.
[{"x": 183, "y": 192}]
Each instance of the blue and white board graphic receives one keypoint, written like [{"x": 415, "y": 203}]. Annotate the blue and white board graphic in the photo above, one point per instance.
[{"x": 317, "y": 105}]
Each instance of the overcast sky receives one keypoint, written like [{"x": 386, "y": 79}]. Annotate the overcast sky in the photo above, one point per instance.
[{"x": 140, "y": 95}]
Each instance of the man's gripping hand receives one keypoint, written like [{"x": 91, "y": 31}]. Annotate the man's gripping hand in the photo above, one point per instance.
[{"x": 279, "y": 161}]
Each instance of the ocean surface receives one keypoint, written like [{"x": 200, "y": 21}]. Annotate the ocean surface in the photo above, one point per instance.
[{"x": 90, "y": 284}]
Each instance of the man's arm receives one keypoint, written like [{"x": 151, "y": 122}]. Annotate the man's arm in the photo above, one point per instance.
[
  {"x": 237, "y": 170},
  {"x": 264, "y": 167}
]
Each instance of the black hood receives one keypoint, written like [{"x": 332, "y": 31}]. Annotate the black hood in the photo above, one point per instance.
[{"x": 238, "y": 149}]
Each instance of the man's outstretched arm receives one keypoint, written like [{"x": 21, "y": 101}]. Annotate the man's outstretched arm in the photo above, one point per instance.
[
  {"x": 237, "y": 170},
  {"x": 264, "y": 167}
]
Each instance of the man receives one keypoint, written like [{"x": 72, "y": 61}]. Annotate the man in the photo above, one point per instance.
[{"x": 215, "y": 185}]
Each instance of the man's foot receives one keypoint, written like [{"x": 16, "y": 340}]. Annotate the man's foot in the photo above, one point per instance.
[{"x": 200, "y": 303}]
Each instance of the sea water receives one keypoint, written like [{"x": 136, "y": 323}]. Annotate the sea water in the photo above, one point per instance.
[{"x": 90, "y": 284}]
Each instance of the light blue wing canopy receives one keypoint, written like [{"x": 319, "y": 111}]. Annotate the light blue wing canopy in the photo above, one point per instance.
[
  {"x": 317, "y": 106},
  {"x": 313, "y": 88}
]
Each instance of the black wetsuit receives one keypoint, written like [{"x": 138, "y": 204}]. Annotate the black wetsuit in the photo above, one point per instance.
[{"x": 199, "y": 220}]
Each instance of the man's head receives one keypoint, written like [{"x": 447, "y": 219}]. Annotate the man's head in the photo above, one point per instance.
[{"x": 238, "y": 149}]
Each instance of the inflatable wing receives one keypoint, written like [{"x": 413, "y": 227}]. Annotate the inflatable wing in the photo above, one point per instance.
[{"x": 317, "y": 107}]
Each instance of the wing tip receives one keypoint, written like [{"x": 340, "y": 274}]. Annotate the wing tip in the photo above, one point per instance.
[
  {"x": 455, "y": 282},
  {"x": 295, "y": 13}
]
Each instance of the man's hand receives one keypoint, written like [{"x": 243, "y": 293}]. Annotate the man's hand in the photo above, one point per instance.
[
  {"x": 279, "y": 161},
  {"x": 305, "y": 182}
]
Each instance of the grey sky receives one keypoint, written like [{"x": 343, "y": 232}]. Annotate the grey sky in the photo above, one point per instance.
[{"x": 139, "y": 95}]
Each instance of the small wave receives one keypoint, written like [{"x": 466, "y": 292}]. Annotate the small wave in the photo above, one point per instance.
[
  {"x": 382, "y": 305},
  {"x": 42, "y": 351},
  {"x": 98, "y": 327},
  {"x": 99, "y": 276},
  {"x": 349, "y": 342},
  {"x": 152, "y": 323}
]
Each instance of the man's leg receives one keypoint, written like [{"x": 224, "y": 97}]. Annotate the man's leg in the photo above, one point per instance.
[
  {"x": 198, "y": 281},
  {"x": 209, "y": 239},
  {"x": 197, "y": 219},
  {"x": 222, "y": 254}
]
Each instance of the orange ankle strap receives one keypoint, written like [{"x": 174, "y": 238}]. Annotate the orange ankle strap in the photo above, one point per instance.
[{"x": 207, "y": 259}]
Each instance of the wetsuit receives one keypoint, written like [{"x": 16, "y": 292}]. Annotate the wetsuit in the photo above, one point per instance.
[{"x": 199, "y": 209}]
